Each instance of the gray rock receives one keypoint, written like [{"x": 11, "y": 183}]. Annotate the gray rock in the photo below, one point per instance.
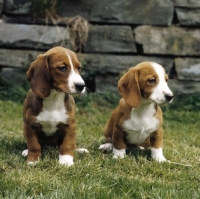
[
  {"x": 17, "y": 58},
  {"x": 188, "y": 68},
  {"x": 188, "y": 17},
  {"x": 1, "y": 7},
  {"x": 110, "y": 39},
  {"x": 183, "y": 87},
  {"x": 40, "y": 37},
  {"x": 187, "y": 3},
  {"x": 155, "y": 12},
  {"x": 106, "y": 82},
  {"x": 95, "y": 63},
  {"x": 169, "y": 40},
  {"x": 33, "y": 36},
  {"x": 17, "y": 7},
  {"x": 98, "y": 63},
  {"x": 108, "y": 68},
  {"x": 10, "y": 73}
]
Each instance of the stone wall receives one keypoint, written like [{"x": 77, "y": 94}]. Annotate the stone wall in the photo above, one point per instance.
[{"x": 121, "y": 34}]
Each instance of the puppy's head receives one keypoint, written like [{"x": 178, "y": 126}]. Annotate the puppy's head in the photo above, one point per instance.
[
  {"x": 147, "y": 80},
  {"x": 57, "y": 69}
]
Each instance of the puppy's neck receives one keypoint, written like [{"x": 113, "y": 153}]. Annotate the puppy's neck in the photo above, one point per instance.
[
  {"x": 146, "y": 102},
  {"x": 145, "y": 105},
  {"x": 55, "y": 98}
]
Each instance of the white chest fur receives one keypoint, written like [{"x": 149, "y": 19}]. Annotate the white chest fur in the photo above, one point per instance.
[
  {"x": 141, "y": 123},
  {"x": 53, "y": 112}
]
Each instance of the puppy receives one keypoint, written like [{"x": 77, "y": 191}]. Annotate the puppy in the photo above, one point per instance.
[
  {"x": 49, "y": 108},
  {"x": 138, "y": 118}
]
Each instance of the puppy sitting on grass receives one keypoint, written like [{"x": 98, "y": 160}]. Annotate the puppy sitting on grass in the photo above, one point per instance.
[
  {"x": 138, "y": 118},
  {"x": 49, "y": 108}
]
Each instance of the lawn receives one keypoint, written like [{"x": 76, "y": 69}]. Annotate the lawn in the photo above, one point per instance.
[{"x": 97, "y": 175}]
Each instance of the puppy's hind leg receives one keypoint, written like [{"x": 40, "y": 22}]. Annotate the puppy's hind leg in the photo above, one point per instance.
[
  {"x": 25, "y": 152},
  {"x": 82, "y": 150},
  {"x": 107, "y": 147}
]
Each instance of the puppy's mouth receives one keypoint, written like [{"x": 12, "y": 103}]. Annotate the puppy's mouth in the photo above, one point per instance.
[
  {"x": 73, "y": 91},
  {"x": 78, "y": 93},
  {"x": 165, "y": 98},
  {"x": 161, "y": 101}
]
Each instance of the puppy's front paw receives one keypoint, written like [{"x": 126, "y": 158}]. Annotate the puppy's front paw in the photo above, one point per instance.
[
  {"x": 119, "y": 153},
  {"x": 66, "y": 160},
  {"x": 160, "y": 159},
  {"x": 106, "y": 147},
  {"x": 32, "y": 163},
  {"x": 157, "y": 154}
]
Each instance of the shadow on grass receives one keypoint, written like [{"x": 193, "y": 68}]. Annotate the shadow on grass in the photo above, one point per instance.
[
  {"x": 12, "y": 144},
  {"x": 136, "y": 153}
]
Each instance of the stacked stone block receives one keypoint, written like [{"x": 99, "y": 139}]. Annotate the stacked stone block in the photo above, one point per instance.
[{"x": 121, "y": 34}]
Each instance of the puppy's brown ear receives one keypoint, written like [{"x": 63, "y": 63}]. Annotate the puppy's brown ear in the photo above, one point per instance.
[
  {"x": 129, "y": 88},
  {"x": 38, "y": 76}
]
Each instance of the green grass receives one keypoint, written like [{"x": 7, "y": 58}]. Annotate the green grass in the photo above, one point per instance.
[{"x": 98, "y": 175}]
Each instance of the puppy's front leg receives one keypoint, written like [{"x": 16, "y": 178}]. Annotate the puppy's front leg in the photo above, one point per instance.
[
  {"x": 67, "y": 147},
  {"x": 156, "y": 140},
  {"x": 34, "y": 148},
  {"x": 119, "y": 146}
]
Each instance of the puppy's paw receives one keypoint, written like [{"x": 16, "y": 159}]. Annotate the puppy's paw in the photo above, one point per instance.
[
  {"x": 106, "y": 147},
  {"x": 82, "y": 150},
  {"x": 25, "y": 152},
  {"x": 160, "y": 159},
  {"x": 119, "y": 153},
  {"x": 32, "y": 163},
  {"x": 66, "y": 160},
  {"x": 157, "y": 155}
]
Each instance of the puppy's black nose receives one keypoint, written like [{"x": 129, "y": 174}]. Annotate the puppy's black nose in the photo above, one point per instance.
[
  {"x": 79, "y": 86},
  {"x": 169, "y": 96}
]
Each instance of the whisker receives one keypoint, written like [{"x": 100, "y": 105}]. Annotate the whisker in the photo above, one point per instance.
[
  {"x": 85, "y": 93},
  {"x": 88, "y": 90}
]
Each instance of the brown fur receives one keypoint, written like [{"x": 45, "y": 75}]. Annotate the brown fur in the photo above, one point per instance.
[
  {"x": 133, "y": 86},
  {"x": 43, "y": 76}
]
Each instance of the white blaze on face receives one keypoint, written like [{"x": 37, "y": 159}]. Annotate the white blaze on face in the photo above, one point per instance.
[
  {"x": 161, "y": 89},
  {"x": 74, "y": 77}
]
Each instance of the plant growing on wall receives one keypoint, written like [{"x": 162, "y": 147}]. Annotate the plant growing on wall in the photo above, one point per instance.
[
  {"x": 48, "y": 10},
  {"x": 40, "y": 9}
]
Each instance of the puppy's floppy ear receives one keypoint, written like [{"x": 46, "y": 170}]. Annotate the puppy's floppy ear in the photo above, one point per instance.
[
  {"x": 129, "y": 88},
  {"x": 38, "y": 76}
]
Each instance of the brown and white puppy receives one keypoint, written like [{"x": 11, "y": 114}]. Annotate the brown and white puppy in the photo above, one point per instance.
[
  {"x": 49, "y": 108},
  {"x": 138, "y": 118}
]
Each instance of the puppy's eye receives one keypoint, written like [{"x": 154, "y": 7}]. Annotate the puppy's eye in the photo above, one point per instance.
[
  {"x": 167, "y": 80},
  {"x": 152, "y": 81},
  {"x": 79, "y": 69},
  {"x": 62, "y": 68}
]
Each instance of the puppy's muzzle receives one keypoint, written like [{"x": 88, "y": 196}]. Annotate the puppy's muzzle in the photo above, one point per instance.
[
  {"x": 169, "y": 97},
  {"x": 79, "y": 86}
]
